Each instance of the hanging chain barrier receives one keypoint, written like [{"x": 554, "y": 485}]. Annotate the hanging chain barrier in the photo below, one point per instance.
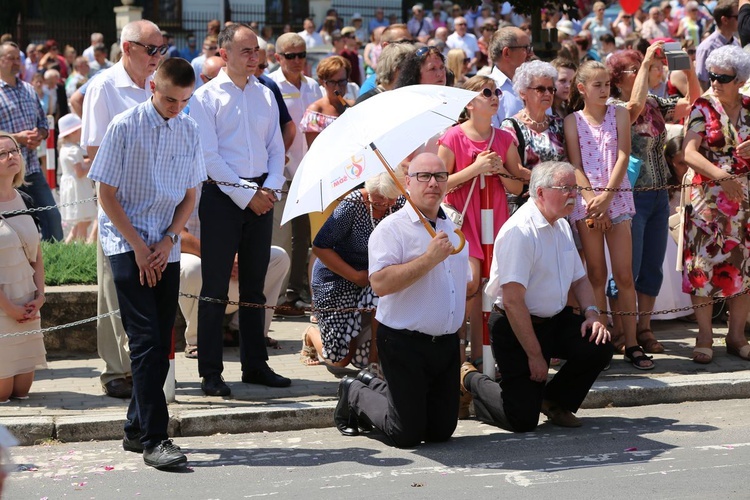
[
  {"x": 61, "y": 327},
  {"x": 45, "y": 208}
]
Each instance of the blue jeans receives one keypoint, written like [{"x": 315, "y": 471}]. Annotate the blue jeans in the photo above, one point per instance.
[
  {"x": 148, "y": 316},
  {"x": 49, "y": 220},
  {"x": 650, "y": 229}
]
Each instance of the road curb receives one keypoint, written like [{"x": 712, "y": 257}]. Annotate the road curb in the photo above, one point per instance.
[{"x": 105, "y": 426}]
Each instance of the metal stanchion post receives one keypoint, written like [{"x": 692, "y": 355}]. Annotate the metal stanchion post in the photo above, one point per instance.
[
  {"x": 488, "y": 242},
  {"x": 51, "y": 171}
]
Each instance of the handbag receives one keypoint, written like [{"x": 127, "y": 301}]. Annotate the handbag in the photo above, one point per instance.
[
  {"x": 677, "y": 220},
  {"x": 634, "y": 169},
  {"x": 452, "y": 212}
]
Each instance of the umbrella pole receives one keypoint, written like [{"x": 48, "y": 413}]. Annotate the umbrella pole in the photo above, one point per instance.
[{"x": 421, "y": 216}]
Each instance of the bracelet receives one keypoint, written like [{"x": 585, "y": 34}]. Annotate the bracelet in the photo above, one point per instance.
[{"x": 592, "y": 308}]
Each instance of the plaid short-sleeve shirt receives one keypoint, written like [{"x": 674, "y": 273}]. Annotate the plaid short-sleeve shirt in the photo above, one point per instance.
[{"x": 20, "y": 110}]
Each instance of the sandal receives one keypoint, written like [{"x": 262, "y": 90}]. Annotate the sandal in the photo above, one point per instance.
[
  {"x": 191, "y": 351},
  {"x": 650, "y": 345},
  {"x": 638, "y": 360},
  {"x": 742, "y": 352},
  {"x": 308, "y": 355}
]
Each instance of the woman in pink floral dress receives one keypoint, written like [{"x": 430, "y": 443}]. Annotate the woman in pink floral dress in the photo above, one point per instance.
[{"x": 716, "y": 253}]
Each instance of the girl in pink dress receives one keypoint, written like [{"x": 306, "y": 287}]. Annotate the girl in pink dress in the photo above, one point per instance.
[
  {"x": 466, "y": 154},
  {"x": 598, "y": 144}
]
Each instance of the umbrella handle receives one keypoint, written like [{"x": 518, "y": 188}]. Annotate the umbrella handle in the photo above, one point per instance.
[{"x": 461, "y": 243}]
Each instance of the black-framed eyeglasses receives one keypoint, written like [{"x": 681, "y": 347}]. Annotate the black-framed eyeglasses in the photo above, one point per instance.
[
  {"x": 720, "y": 78},
  {"x": 426, "y": 176},
  {"x": 566, "y": 189},
  {"x": 152, "y": 50},
  {"x": 338, "y": 83},
  {"x": 487, "y": 93},
  {"x": 291, "y": 55},
  {"x": 541, "y": 89},
  {"x": 4, "y": 155},
  {"x": 422, "y": 52},
  {"x": 527, "y": 48}
]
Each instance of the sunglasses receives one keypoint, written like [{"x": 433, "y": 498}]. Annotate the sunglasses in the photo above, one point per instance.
[
  {"x": 489, "y": 93},
  {"x": 152, "y": 50},
  {"x": 423, "y": 51},
  {"x": 528, "y": 48},
  {"x": 691, "y": 52},
  {"x": 721, "y": 78},
  {"x": 263, "y": 66},
  {"x": 467, "y": 60},
  {"x": 542, "y": 89},
  {"x": 291, "y": 55}
]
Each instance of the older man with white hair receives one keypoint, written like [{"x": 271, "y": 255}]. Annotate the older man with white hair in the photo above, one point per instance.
[{"x": 535, "y": 265}]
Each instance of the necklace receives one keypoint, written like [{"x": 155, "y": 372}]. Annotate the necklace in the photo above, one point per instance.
[
  {"x": 372, "y": 215},
  {"x": 535, "y": 123}
]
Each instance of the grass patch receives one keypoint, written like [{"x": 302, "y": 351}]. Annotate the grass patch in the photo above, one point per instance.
[{"x": 69, "y": 264}]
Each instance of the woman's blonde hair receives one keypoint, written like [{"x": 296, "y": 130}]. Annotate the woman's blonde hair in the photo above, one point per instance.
[
  {"x": 585, "y": 71},
  {"x": 455, "y": 62},
  {"x": 18, "y": 179}
]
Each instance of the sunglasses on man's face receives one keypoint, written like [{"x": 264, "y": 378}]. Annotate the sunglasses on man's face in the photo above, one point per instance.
[
  {"x": 262, "y": 66},
  {"x": 291, "y": 55},
  {"x": 720, "y": 78},
  {"x": 151, "y": 50}
]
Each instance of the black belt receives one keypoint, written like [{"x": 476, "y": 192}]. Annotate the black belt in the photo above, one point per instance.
[
  {"x": 423, "y": 336},
  {"x": 535, "y": 320}
]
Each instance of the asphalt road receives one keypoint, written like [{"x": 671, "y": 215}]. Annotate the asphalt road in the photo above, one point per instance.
[{"x": 684, "y": 451}]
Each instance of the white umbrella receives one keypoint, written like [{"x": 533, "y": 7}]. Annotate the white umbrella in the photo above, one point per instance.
[{"x": 363, "y": 141}]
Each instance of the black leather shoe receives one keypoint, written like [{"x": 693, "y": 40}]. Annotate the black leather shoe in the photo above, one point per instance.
[
  {"x": 118, "y": 388},
  {"x": 343, "y": 417},
  {"x": 165, "y": 455},
  {"x": 365, "y": 377},
  {"x": 133, "y": 445},
  {"x": 265, "y": 376},
  {"x": 214, "y": 385}
]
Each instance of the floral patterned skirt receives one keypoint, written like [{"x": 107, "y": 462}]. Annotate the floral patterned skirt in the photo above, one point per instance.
[{"x": 716, "y": 244}]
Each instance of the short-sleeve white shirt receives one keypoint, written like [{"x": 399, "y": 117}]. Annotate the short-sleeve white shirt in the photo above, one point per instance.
[
  {"x": 112, "y": 92},
  {"x": 297, "y": 100},
  {"x": 435, "y": 303},
  {"x": 538, "y": 255},
  {"x": 312, "y": 40},
  {"x": 468, "y": 43}
]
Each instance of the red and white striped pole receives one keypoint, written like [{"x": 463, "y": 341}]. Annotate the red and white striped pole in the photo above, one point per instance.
[
  {"x": 51, "y": 170},
  {"x": 488, "y": 241},
  {"x": 169, "y": 383}
]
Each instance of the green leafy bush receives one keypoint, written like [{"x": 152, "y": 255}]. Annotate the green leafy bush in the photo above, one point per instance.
[{"x": 69, "y": 264}]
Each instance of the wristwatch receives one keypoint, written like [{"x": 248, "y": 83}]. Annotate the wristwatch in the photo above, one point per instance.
[
  {"x": 174, "y": 237},
  {"x": 592, "y": 308}
]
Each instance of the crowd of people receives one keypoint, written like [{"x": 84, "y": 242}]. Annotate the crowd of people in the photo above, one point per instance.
[{"x": 192, "y": 150}]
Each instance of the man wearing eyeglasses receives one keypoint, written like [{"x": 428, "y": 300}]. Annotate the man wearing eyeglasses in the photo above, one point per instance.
[
  {"x": 210, "y": 49},
  {"x": 725, "y": 15},
  {"x": 299, "y": 92},
  {"x": 242, "y": 144},
  {"x": 510, "y": 47},
  {"x": 113, "y": 91},
  {"x": 422, "y": 290},
  {"x": 535, "y": 264}
]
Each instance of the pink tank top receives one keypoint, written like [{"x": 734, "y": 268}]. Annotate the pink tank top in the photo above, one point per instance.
[{"x": 598, "y": 155}]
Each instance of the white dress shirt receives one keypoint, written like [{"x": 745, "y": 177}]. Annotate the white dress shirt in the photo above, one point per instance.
[
  {"x": 297, "y": 100},
  {"x": 435, "y": 303},
  {"x": 240, "y": 134},
  {"x": 541, "y": 257},
  {"x": 510, "y": 103},
  {"x": 312, "y": 40},
  {"x": 109, "y": 94}
]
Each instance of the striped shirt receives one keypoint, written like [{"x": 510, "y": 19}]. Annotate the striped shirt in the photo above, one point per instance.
[
  {"x": 20, "y": 110},
  {"x": 152, "y": 162}
]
